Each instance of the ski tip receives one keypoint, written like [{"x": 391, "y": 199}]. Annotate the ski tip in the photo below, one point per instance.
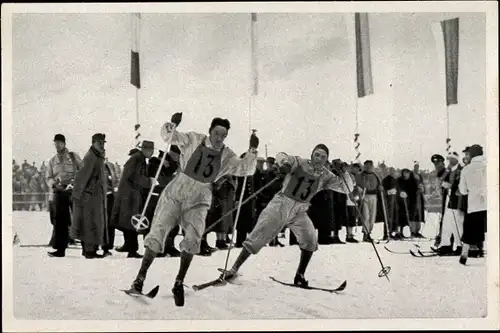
[
  {"x": 342, "y": 286},
  {"x": 153, "y": 292}
]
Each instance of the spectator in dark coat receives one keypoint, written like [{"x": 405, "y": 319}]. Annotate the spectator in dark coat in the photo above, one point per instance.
[
  {"x": 390, "y": 184},
  {"x": 89, "y": 200},
  {"x": 129, "y": 201}
]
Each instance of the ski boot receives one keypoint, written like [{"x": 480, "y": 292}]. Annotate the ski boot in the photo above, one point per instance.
[
  {"x": 178, "y": 291},
  {"x": 300, "y": 281},
  {"x": 137, "y": 285},
  {"x": 228, "y": 275}
]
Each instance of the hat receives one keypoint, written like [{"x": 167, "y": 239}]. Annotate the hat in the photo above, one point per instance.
[
  {"x": 368, "y": 162},
  {"x": 322, "y": 147},
  {"x": 271, "y": 160},
  {"x": 453, "y": 154},
  {"x": 220, "y": 122},
  {"x": 475, "y": 150},
  {"x": 59, "y": 137},
  {"x": 466, "y": 150},
  {"x": 437, "y": 158},
  {"x": 260, "y": 159},
  {"x": 356, "y": 165},
  {"x": 148, "y": 145},
  {"x": 98, "y": 137}
]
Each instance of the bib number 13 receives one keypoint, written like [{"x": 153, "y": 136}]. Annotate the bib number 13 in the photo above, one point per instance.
[
  {"x": 303, "y": 188},
  {"x": 207, "y": 169}
]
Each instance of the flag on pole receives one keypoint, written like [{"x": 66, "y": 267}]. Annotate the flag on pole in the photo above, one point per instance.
[
  {"x": 363, "y": 58},
  {"x": 255, "y": 72},
  {"x": 451, "y": 41},
  {"x": 135, "y": 75}
]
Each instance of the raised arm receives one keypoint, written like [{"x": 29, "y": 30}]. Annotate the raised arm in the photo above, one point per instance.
[
  {"x": 239, "y": 167},
  {"x": 180, "y": 139}
]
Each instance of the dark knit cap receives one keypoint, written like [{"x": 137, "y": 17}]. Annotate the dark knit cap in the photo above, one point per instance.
[
  {"x": 220, "y": 122},
  {"x": 322, "y": 147},
  {"x": 59, "y": 137}
]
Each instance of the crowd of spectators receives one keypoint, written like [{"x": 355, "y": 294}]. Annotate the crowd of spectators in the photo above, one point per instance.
[{"x": 29, "y": 186}]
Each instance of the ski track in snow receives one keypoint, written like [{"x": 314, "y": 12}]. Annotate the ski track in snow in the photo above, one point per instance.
[{"x": 74, "y": 288}]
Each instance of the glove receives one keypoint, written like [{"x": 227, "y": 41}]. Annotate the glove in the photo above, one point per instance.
[
  {"x": 176, "y": 118},
  {"x": 446, "y": 185},
  {"x": 254, "y": 141},
  {"x": 154, "y": 182},
  {"x": 381, "y": 188},
  {"x": 403, "y": 195},
  {"x": 285, "y": 169}
]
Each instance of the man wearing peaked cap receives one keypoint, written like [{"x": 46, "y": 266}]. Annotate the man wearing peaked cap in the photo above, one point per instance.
[
  {"x": 436, "y": 158},
  {"x": 99, "y": 137},
  {"x": 60, "y": 173},
  {"x": 89, "y": 198}
]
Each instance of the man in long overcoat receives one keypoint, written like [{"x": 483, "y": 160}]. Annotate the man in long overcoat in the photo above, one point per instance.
[
  {"x": 89, "y": 200},
  {"x": 129, "y": 201}
]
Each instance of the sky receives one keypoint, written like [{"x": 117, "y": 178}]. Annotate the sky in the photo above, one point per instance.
[{"x": 71, "y": 75}]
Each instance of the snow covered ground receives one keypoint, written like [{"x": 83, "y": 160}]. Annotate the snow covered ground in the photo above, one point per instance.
[{"x": 76, "y": 288}]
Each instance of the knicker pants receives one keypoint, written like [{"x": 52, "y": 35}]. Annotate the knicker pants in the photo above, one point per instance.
[
  {"x": 169, "y": 213},
  {"x": 282, "y": 212},
  {"x": 369, "y": 212}
]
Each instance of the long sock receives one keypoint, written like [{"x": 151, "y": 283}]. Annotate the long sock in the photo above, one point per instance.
[
  {"x": 147, "y": 260},
  {"x": 242, "y": 257},
  {"x": 186, "y": 259},
  {"x": 305, "y": 257},
  {"x": 349, "y": 232}
]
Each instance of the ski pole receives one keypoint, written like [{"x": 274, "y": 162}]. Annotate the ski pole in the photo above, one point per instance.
[
  {"x": 385, "y": 269},
  {"x": 140, "y": 222},
  {"x": 384, "y": 210},
  {"x": 235, "y": 223}
]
